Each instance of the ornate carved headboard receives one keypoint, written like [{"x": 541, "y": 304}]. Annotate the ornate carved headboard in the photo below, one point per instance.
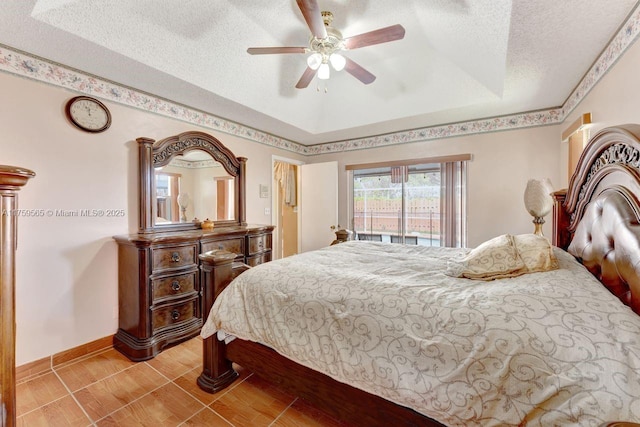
[{"x": 597, "y": 219}]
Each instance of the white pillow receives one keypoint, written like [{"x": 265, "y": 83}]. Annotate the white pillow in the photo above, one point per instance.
[
  {"x": 536, "y": 252},
  {"x": 494, "y": 259}
]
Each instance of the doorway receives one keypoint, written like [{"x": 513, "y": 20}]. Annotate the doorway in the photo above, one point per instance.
[
  {"x": 309, "y": 222},
  {"x": 285, "y": 206}
]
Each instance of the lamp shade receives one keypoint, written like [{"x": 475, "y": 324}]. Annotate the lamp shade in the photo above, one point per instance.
[
  {"x": 537, "y": 197},
  {"x": 183, "y": 200}
]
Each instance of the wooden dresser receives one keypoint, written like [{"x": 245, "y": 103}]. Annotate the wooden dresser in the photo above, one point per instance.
[
  {"x": 160, "y": 279},
  {"x": 160, "y": 283}
]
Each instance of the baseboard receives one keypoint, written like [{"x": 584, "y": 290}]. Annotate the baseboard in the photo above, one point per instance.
[
  {"x": 46, "y": 364},
  {"x": 32, "y": 369},
  {"x": 81, "y": 351}
]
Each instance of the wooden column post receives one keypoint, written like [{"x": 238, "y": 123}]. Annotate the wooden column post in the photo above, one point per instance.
[
  {"x": 11, "y": 180},
  {"x": 217, "y": 273},
  {"x": 146, "y": 180},
  {"x": 560, "y": 237},
  {"x": 241, "y": 182}
]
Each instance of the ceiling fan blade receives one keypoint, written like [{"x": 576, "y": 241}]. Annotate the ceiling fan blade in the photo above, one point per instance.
[
  {"x": 383, "y": 35},
  {"x": 270, "y": 50},
  {"x": 306, "y": 78},
  {"x": 358, "y": 72},
  {"x": 312, "y": 15}
]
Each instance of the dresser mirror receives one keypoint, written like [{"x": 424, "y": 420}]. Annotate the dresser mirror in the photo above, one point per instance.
[
  {"x": 191, "y": 187},
  {"x": 187, "y": 178}
]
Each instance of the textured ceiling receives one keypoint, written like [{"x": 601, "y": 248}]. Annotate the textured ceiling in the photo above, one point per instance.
[{"x": 460, "y": 59}]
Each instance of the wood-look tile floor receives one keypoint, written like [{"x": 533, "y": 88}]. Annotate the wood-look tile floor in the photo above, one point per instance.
[{"x": 107, "y": 389}]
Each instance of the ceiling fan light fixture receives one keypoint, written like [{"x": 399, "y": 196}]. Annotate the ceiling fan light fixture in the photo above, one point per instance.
[
  {"x": 314, "y": 61},
  {"x": 323, "y": 71},
  {"x": 325, "y": 42},
  {"x": 337, "y": 61}
]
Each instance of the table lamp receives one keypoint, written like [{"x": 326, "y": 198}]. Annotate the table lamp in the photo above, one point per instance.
[{"x": 538, "y": 201}]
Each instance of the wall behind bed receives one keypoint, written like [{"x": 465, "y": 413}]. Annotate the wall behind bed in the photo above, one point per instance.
[
  {"x": 497, "y": 175},
  {"x": 613, "y": 101},
  {"x": 67, "y": 266},
  {"x": 504, "y": 161}
]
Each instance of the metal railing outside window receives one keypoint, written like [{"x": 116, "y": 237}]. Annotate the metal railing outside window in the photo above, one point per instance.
[{"x": 423, "y": 204}]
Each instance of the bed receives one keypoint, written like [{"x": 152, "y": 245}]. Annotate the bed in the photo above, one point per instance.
[{"x": 549, "y": 347}]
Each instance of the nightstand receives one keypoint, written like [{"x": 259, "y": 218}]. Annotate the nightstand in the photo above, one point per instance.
[{"x": 342, "y": 235}]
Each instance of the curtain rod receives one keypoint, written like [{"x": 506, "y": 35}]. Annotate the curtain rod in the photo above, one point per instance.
[{"x": 440, "y": 159}]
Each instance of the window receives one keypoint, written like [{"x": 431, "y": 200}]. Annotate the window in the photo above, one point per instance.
[
  {"x": 167, "y": 190},
  {"x": 413, "y": 203}
]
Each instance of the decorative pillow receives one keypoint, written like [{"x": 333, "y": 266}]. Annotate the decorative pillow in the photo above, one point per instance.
[
  {"x": 494, "y": 259},
  {"x": 536, "y": 252}
]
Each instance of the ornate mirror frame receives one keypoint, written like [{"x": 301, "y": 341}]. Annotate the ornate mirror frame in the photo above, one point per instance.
[{"x": 155, "y": 154}]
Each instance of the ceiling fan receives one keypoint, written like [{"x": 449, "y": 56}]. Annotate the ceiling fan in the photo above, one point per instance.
[{"x": 326, "y": 43}]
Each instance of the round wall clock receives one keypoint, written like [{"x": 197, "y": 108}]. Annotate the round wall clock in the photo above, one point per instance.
[{"x": 88, "y": 114}]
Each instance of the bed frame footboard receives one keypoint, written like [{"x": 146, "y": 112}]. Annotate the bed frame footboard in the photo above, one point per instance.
[{"x": 218, "y": 270}]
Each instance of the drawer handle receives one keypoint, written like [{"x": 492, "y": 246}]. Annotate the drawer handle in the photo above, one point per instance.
[
  {"x": 220, "y": 247},
  {"x": 175, "y": 257},
  {"x": 175, "y": 285},
  {"x": 175, "y": 315},
  {"x": 261, "y": 244}
]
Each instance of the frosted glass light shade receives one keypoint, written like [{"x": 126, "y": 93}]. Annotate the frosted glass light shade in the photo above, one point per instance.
[
  {"x": 337, "y": 61},
  {"x": 537, "y": 197},
  {"x": 323, "y": 71},
  {"x": 314, "y": 61}
]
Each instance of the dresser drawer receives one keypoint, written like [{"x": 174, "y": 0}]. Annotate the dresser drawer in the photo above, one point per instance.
[
  {"x": 235, "y": 246},
  {"x": 169, "y": 315},
  {"x": 176, "y": 257},
  {"x": 259, "y": 243},
  {"x": 173, "y": 286},
  {"x": 259, "y": 259}
]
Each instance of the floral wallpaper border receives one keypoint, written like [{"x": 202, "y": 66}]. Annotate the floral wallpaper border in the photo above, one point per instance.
[
  {"x": 495, "y": 124},
  {"x": 32, "y": 67},
  {"x": 26, "y": 65},
  {"x": 626, "y": 36},
  {"x": 195, "y": 164}
]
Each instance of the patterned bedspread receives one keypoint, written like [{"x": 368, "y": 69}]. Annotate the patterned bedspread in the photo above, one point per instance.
[{"x": 543, "y": 349}]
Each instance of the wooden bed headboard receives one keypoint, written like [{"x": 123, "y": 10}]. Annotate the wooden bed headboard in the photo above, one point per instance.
[{"x": 597, "y": 219}]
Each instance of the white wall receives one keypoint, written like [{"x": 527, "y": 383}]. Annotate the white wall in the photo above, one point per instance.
[
  {"x": 501, "y": 164},
  {"x": 613, "y": 101},
  {"x": 504, "y": 161},
  {"x": 66, "y": 268}
]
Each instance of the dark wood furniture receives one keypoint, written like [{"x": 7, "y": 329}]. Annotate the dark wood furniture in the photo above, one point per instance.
[
  {"x": 159, "y": 282},
  {"x": 160, "y": 286},
  {"x": 11, "y": 180},
  {"x": 342, "y": 235},
  {"x": 605, "y": 193},
  {"x": 609, "y": 165}
]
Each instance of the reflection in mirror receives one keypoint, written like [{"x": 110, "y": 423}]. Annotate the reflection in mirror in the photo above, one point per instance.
[{"x": 193, "y": 186}]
